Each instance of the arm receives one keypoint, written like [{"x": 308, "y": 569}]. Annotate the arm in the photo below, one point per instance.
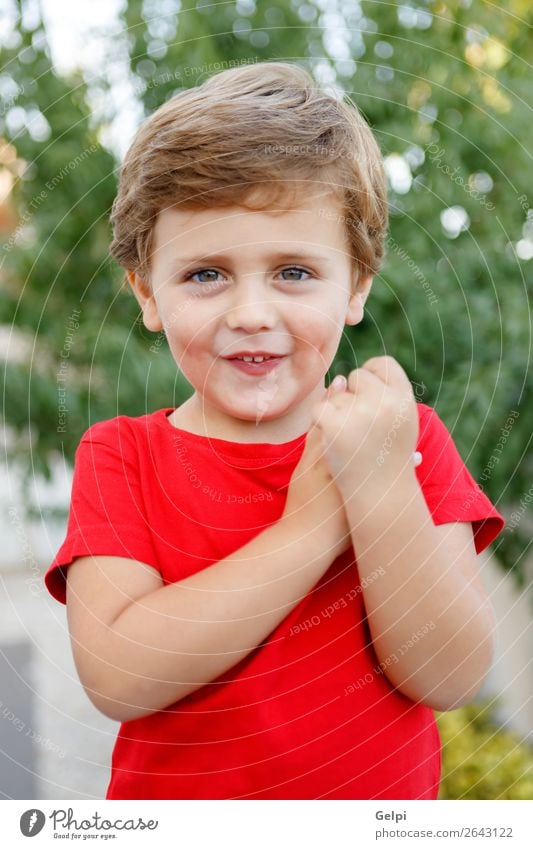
[
  {"x": 169, "y": 642},
  {"x": 431, "y": 586},
  {"x": 140, "y": 646},
  {"x": 431, "y": 624}
]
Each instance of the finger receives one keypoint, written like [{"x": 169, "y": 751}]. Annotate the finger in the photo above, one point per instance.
[
  {"x": 338, "y": 384},
  {"x": 386, "y": 369},
  {"x": 361, "y": 378}
]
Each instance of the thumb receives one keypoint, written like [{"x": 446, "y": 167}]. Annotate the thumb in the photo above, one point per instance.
[{"x": 338, "y": 384}]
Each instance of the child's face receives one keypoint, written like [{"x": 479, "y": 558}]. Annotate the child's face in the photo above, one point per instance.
[{"x": 229, "y": 280}]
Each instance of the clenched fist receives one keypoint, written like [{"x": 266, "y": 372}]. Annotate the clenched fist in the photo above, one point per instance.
[{"x": 369, "y": 432}]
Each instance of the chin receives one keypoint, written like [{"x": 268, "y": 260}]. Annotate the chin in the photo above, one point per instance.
[{"x": 255, "y": 413}]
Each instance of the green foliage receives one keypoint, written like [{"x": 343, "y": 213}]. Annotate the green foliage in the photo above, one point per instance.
[
  {"x": 481, "y": 761},
  {"x": 453, "y": 311},
  {"x": 87, "y": 350},
  {"x": 452, "y": 98}
]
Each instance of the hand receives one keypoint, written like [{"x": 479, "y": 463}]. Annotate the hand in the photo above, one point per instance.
[
  {"x": 314, "y": 502},
  {"x": 369, "y": 433}
]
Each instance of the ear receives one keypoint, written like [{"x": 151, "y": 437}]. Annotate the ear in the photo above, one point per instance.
[
  {"x": 146, "y": 300},
  {"x": 355, "y": 307}
]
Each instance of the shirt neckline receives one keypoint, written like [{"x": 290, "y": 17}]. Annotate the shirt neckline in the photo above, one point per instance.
[{"x": 239, "y": 450}]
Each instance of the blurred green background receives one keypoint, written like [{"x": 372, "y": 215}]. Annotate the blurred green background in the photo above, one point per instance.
[
  {"x": 447, "y": 88},
  {"x": 479, "y": 759}
]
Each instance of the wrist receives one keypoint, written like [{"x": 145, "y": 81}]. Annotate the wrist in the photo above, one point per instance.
[
  {"x": 384, "y": 492},
  {"x": 320, "y": 540}
]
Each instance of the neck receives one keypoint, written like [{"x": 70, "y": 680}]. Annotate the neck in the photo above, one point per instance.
[{"x": 197, "y": 416}]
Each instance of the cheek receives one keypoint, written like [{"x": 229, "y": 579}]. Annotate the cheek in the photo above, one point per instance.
[
  {"x": 320, "y": 327},
  {"x": 186, "y": 328}
]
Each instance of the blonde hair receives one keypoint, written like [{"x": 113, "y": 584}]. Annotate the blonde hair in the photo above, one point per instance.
[{"x": 260, "y": 129}]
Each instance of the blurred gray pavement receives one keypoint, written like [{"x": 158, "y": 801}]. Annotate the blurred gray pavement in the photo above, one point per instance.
[{"x": 54, "y": 744}]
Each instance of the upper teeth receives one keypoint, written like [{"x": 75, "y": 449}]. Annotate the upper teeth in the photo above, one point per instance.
[{"x": 253, "y": 359}]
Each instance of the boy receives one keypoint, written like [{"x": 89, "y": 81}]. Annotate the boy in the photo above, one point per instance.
[{"x": 215, "y": 604}]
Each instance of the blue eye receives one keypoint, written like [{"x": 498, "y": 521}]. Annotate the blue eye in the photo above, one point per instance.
[
  {"x": 204, "y": 271},
  {"x": 298, "y": 270},
  {"x": 214, "y": 273}
]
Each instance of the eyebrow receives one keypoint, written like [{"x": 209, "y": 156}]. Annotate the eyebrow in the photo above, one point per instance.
[{"x": 182, "y": 263}]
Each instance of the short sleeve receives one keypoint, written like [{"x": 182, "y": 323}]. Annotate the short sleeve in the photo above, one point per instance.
[
  {"x": 107, "y": 514},
  {"x": 450, "y": 491}
]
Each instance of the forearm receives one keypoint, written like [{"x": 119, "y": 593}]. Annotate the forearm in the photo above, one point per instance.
[
  {"x": 184, "y": 635},
  {"x": 431, "y": 630}
]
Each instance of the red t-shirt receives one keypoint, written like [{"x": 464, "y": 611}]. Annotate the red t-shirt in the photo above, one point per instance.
[{"x": 304, "y": 715}]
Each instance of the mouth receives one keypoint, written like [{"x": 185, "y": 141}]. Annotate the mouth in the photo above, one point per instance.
[
  {"x": 257, "y": 356},
  {"x": 257, "y": 364}
]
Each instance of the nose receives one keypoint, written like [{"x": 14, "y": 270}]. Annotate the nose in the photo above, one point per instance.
[{"x": 251, "y": 307}]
